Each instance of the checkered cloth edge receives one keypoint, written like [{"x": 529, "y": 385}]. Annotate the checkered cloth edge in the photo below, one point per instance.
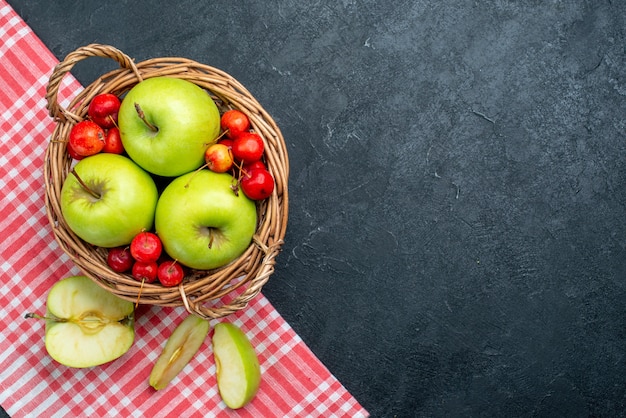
[{"x": 295, "y": 383}]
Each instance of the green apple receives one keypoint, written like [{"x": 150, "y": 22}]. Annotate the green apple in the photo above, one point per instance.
[
  {"x": 86, "y": 325},
  {"x": 202, "y": 222},
  {"x": 237, "y": 365},
  {"x": 166, "y": 125},
  {"x": 107, "y": 199},
  {"x": 179, "y": 349}
]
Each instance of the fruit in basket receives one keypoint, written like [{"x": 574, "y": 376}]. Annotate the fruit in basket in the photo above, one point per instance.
[
  {"x": 248, "y": 147},
  {"x": 170, "y": 273},
  {"x": 181, "y": 346},
  {"x": 145, "y": 271},
  {"x": 237, "y": 365},
  {"x": 86, "y": 138},
  {"x": 103, "y": 109},
  {"x": 146, "y": 247},
  {"x": 257, "y": 183},
  {"x": 113, "y": 141},
  {"x": 254, "y": 165},
  {"x": 202, "y": 223},
  {"x": 119, "y": 259},
  {"x": 73, "y": 153},
  {"x": 219, "y": 158},
  {"x": 107, "y": 199},
  {"x": 226, "y": 141},
  {"x": 234, "y": 122},
  {"x": 166, "y": 125},
  {"x": 86, "y": 325}
]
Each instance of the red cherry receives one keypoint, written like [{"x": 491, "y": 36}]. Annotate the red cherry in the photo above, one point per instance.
[
  {"x": 119, "y": 259},
  {"x": 146, "y": 247},
  {"x": 103, "y": 109},
  {"x": 86, "y": 138},
  {"x": 257, "y": 184},
  {"x": 226, "y": 141},
  {"x": 254, "y": 165},
  {"x": 113, "y": 141},
  {"x": 170, "y": 273},
  {"x": 248, "y": 147},
  {"x": 234, "y": 122},
  {"x": 73, "y": 153},
  {"x": 219, "y": 158},
  {"x": 145, "y": 271}
]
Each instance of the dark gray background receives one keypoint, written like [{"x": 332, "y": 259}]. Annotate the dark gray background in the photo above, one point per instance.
[{"x": 456, "y": 242}]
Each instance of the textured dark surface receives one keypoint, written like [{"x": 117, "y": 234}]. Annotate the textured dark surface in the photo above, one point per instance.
[{"x": 457, "y": 244}]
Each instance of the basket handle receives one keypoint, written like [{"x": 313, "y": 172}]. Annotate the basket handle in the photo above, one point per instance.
[{"x": 55, "y": 110}]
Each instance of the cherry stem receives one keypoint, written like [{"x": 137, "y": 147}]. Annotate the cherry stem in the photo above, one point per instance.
[
  {"x": 237, "y": 178},
  {"x": 221, "y": 135},
  {"x": 235, "y": 188},
  {"x": 113, "y": 120},
  {"x": 194, "y": 174},
  {"x": 84, "y": 186},
  {"x": 142, "y": 116},
  {"x": 139, "y": 293}
]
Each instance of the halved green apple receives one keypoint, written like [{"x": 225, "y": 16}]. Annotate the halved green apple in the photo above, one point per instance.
[
  {"x": 237, "y": 365},
  {"x": 179, "y": 349},
  {"x": 86, "y": 325}
]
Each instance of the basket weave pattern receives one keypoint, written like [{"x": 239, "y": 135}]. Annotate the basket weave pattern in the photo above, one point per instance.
[{"x": 210, "y": 294}]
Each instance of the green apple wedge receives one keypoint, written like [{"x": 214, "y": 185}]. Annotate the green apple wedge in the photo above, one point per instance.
[
  {"x": 166, "y": 124},
  {"x": 202, "y": 222},
  {"x": 86, "y": 325},
  {"x": 181, "y": 346},
  {"x": 237, "y": 365},
  {"x": 107, "y": 199}
]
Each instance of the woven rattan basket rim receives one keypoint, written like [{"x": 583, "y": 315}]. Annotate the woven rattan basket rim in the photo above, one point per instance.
[{"x": 210, "y": 294}]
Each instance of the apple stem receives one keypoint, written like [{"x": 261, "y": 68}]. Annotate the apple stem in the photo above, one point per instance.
[
  {"x": 210, "y": 239},
  {"x": 142, "y": 116},
  {"x": 83, "y": 185},
  {"x": 32, "y": 315}
]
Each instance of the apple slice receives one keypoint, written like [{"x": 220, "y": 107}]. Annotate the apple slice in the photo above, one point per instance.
[
  {"x": 86, "y": 325},
  {"x": 179, "y": 349},
  {"x": 237, "y": 365}
]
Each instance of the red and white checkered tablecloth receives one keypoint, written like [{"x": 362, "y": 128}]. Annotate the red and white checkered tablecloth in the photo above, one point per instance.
[{"x": 295, "y": 383}]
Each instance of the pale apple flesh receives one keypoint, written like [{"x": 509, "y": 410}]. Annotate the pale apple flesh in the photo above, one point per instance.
[
  {"x": 237, "y": 365},
  {"x": 86, "y": 325},
  {"x": 179, "y": 349},
  {"x": 202, "y": 222}
]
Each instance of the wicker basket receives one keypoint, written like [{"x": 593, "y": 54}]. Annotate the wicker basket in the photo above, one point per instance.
[{"x": 210, "y": 294}]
